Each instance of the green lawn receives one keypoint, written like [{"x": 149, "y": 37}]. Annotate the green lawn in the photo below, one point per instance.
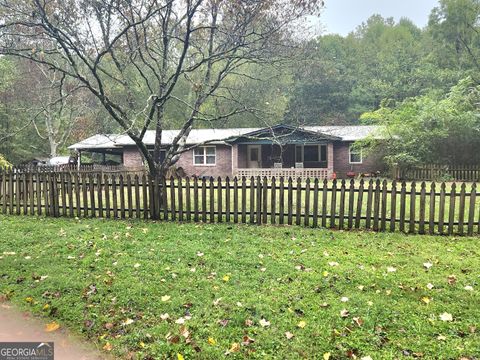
[{"x": 115, "y": 281}]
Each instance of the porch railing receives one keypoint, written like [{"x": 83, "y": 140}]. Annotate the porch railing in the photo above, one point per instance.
[{"x": 294, "y": 173}]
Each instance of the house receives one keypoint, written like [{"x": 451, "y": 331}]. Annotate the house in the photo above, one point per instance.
[{"x": 281, "y": 150}]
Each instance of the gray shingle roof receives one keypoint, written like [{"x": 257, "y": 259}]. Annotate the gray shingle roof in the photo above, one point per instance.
[{"x": 215, "y": 136}]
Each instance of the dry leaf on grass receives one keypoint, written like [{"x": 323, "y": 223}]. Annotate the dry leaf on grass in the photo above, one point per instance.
[{"x": 52, "y": 326}]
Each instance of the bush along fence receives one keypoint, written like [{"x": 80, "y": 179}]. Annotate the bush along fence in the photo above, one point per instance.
[
  {"x": 377, "y": 205},
  {"x": 439, "y": 172}
]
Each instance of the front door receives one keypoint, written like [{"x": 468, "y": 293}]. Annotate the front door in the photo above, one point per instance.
[{"x": 254, "y": 153}]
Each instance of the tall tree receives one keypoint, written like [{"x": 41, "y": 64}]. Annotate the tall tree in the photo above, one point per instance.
[{"x": 122, "y": 49}]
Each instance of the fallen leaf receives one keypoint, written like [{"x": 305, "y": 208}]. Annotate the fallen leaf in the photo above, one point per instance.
[
  {"x": 226, "y": 278},
  {"x": 165, "y": 298},
  {"x": 333, "y": 263},
  {"x": 264, "y": 323},
  {"x": 107, "y": 347},
  {"x": 326, "y": 356},
  {"x": 165, "y": 316},
  {"x": 427, "y": 265},
  {"x": 247, "y": 340},
  {"x": 217, "y": 301},
  {"x": 446, "y": 317},
  {"x": 212, "y": 341},
  {"x": 324, "y": 305},
  {"x": 248, "y": 322},
  {"x": 108, "y": 326},
  {"x": 468, "y": 288},
  {"x": 430, "y": 286},
  {"x": 391, "y": 269},
  {"x": 302, "y": 324},
  {"x": 235, "y": 347},
  {"x": 366, "y": 358},
  {"x": 52, "y": 326},
  {"x": 180, "y": 321},
  {"x": 29, "y": 299},
  {"x": 180, "y": 357},
  {"x": 344, "y": 313},
  {"x": 325, "y": 273},
  {"x": 358, "y": 321},
  {"x": 289, "y": 335},
  {"x": 426, "y": 300},
  {"x": 441, "y": 337},
  {"x": 199, "y": 254},
  {"x": 128, "y": 322},
  {"x": 136, "y": 266},
  {"x": 451, "y": 279},
  {"x": 344, "y": 299},
  {"x": 360, "y": 287},
  {"x": 223, "y": 322}
]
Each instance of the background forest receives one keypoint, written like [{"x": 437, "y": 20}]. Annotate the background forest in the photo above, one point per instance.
[{"x": 423, "y": 84}]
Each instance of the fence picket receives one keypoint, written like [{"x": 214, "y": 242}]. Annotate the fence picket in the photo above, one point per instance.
[
  {"x": 451, "y": 210},
  {"x": 471, "y": 209},
  {"x": 188, "y": 203},
  {"x": 281, "y": 200},
  {"x": 341, "y": 213},
  {"x": 244, "y": 200},
  {"x": 306, "y": 219},
  {"x": 298, "y": 202},
  {"x": 358, "y": 215},
  {"x": 333, "y": 205},
  {"x": 324, "y": 202},
  {"x": 383, "y": 214},
  {"x": 219, "y": 200},
  {"x": 273, "y": 201},
  {"x": 180, "y": 199},
  {"x": 441, "y": 209},
  {"x": 431, "y": 221},
  {"x": 368, "y": 220},
  {"x": 461, "y": 210},
  {"x": 227, "y": 199},
  {"x": 258, "y": 200},
  {"x": 393, "y": 206},
  {"x": 252, "y": 200},
  {"x": 421, "y": 224},
  {"x": 290, "y": 201},
  {"x": 236, "y": 205},
  {"x": 89, "y": 194}
]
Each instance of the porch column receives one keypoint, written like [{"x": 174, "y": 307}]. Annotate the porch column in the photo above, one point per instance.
[
  {"x": 234, "y": 159},
  {"x": 330, "y": 159}
]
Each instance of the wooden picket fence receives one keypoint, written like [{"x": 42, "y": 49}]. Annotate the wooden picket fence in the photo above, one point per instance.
[
  {"x": 376, "y": 205},
  {"x": 435, "y": 172}
]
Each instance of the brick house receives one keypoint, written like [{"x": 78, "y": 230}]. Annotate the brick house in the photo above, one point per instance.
[{"x": 281, "y": 150}]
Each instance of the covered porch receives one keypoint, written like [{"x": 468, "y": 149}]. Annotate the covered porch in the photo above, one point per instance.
[{"x": 283, "y": 152}]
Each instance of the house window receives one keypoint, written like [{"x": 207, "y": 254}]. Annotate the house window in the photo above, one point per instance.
[
  {"x": 204, "y": 155},
  {"x": 310, "y": 153},
  {"x": 355, "y": 155}
]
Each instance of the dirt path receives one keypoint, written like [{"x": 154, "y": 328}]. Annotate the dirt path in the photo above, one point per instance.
[{"x": 19, "y": 326}]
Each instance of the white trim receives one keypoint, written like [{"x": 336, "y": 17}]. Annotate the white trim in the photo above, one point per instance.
[
  {"x": 350, "y": 156},
  {"x": 204, "y": 155}
]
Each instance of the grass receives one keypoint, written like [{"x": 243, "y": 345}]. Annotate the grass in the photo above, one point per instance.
[{"x": 98, "y": 275}]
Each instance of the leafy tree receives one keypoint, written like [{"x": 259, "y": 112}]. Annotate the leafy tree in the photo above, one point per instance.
[{"x": 433, "y": 128}]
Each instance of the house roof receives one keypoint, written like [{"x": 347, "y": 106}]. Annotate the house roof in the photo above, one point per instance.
[{"x": 218, "y": 136}]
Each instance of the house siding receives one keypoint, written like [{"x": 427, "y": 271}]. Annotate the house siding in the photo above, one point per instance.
[
  {"x": 341, "y": 161},
  {"x": 222, "y": 167},
  {"x": 132, "y": 157}
]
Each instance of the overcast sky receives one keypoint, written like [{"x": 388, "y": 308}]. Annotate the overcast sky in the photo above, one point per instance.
[{"x": 343, "y": 16}]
